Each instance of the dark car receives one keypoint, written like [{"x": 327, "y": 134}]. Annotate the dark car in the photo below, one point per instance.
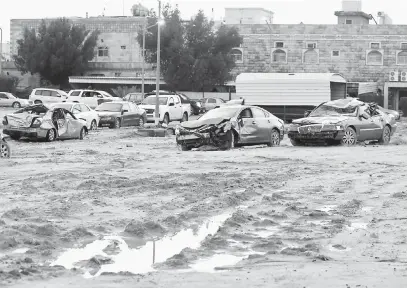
[
  {"x": 196, "y": 105},
  {"x": 230, "y": 126},
  {"x": 120, "y": 113},
  {"x": 135, "y": 98},
  {"x": 343, "y": 121}
]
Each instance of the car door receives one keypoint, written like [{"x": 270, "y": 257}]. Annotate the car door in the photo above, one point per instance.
[
  {"x": 134, "y": 115},
  {"x": 210, "y": 104},
  {"x": 46, "y": 96},
  {"x": 73, "y": 126},
  {"x": 263, "y": 124},
  {"x": 178, "y": 108},
  {"x": 78, "y": 113},
  {"x": 88, "y": 115},
  {"x": 366, "y": 125},
  {"x": 4, "y": 100},
  {"x": 379, "y": 123},
  {"x": 249, "y": 130},
  {"x": 171, "y": 108},
  {"x": 87, "y": 98},
  {"x": 126, "y": 115}
]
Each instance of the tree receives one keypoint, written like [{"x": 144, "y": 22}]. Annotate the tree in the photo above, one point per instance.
[
  {"x": 8, "y": 83},
  {"x": 193, "y": 56},
  {"x": 56, "y": 51}
]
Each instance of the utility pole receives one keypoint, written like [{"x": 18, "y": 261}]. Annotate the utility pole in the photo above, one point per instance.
[
  {"x": 143, "y": 55},
  {"x": 1, "y": 50},
  {"x": 157, "y": 103}
]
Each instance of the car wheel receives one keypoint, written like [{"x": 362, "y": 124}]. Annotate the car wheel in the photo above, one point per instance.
[
  {"x": 296, "y": 142},
  {"x": 141, "y": 122},
  {"x": 349, "y": 138},
  {"x": 274, "y": 138},
  {"x": 51, "y": 135},
  {"x": 16, "y": 105},
  {"x": 230, "y": 142},
  {"x": 5, "y": 151},
  {"x": 166, "y": 119},
  {"x": 37, "y": 102},
  {"x": 184, "y": 117},
  {"x": 15, "y": 136},
  {"x": 386, "y": 136},
  {"x": 117, "y": 123},
  {"x": 93, "y": 125},
  {"x": 185, "y": 147},
  {"x": 83, "y": 133}
]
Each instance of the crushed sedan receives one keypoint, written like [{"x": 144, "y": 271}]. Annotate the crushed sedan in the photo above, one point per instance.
[
  {"x": 41, "y": 122},
  {"x": 230, "y": 126},
  {"x": 343, "y": 121}
]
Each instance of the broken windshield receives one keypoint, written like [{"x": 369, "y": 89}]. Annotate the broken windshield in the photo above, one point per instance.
[
  {"x": 223, "y": 112},
  {"x": 328, "y": 110}
]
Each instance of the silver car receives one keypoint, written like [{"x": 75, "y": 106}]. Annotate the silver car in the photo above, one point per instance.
[{"x": 9, "y": 100}]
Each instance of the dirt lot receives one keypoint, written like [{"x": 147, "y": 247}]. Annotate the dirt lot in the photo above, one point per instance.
[{"x": 279, "y": 217}]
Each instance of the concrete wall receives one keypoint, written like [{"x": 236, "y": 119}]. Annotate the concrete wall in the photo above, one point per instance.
[
  {"x": 247, "y": 16},
  {"x": 200, "y": 95},
  {"x": 352, "y": 42}
]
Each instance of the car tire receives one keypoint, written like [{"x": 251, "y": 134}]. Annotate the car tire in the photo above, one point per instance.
[
  {"x": 185, "y": 147},
  {"x": 184, "y": 117},
  {"x": 5, "y": 150},
  {"x": 230, "y": 142},
  {"x": 37, "y": 102},
  {"x": 141, "y": 122},
  {"x": 51, "y": 135},
  {"x": 274, "y": 138},
  {"x": 15, "y": 137},
  {"x": 386, "y": 136},
  {"x": 16, "y": 105},
  {"x": 93, "y": 125},
  {"x": 296, "y": 142},
  {"x": 117, "y": 123},
  {"x": 166, "y": 119},
  {"x": 82, "y": 134},
  {"x": 349, "y": 138}
]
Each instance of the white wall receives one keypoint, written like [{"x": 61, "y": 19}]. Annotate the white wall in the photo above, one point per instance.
[
  {"x": 248, "y": 16},
  {"x": 199, "y": 95}
]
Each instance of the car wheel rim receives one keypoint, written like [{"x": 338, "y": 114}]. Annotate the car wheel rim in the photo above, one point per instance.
[
  {"x": 117, "y": 123},
  {"x": 51, "y": 135},
  {"x": 4, "y": 150},
  {"x": 275, "y": 139},
  {"x": 82, "y": 133},
  {"x": 349, "y": 138},
  {"x": 386, "y": 135},
  {"x": 93, "y": 126},
  {"x": 141, "y": 122}
]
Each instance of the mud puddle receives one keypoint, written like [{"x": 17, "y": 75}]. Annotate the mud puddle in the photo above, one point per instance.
[{"x": 142, "y": 259}]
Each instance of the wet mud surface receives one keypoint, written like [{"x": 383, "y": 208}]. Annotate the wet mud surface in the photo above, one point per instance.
[{"x": 235, "y": 214}]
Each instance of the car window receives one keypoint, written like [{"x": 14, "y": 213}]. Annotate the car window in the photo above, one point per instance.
[
  {"x": 246, "y": 113},
  {"x": 76, "y": 109},
  {"x": 46, "y": 93},
  {"x": 126, "y": 107},
  {"x": 257, "y": 113},
  {"x": 98, "y": 95},
  {"x": 54, "y": 93},
  {"x": 3, "y": 96},
  {"x": 68, "y": 116},
  {"x": 84, "y": 108},
  {"x": 76, "y": 93},
  {"x": 171, "y": 100},
  {"x": 211, "y": 100},
  {"x": 176, "y": 100},
  {"x": 87, "y": 94},
  {"x": 38, "y": 92}
]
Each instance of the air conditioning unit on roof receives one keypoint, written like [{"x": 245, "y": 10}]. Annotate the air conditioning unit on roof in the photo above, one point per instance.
[
  {"x": 403, "y": 76},
  {"x": 394, "y": 76}
]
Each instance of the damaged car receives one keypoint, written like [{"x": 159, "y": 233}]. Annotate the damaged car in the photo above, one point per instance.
[
  {"x": 5, "y": 151},
  {"x": 344, "y": 121},
  {"x": 41, "y": 122},
  {"x": 230, "y": 126}
]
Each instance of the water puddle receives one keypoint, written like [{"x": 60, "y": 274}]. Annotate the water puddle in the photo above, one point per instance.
[
  {"x": 141, "y": 260},
  {"x": 355, "y": 226}
]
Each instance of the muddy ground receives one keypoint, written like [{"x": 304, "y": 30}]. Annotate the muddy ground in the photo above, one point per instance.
[{"x": 295, "y": 216}]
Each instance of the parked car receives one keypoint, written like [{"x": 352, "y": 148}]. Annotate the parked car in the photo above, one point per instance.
[
  {"x": 9, "y": 100},
  {"x": 212, "y": 103},
  {"x": 196, "y": 105},
  {"x": 185, "y": 101},
  {"x": 120, "y": 113},
  {"x": 81, "y": 111},
  {"x": 170, "y": 107},
  {"x": 5, "y": 151},
  {"x": 47, "y": 95},
  {"x": 40, "y": 122},
  {"x": 343, "y": 121},
  {"x": 92, "y": 98},
  {"x": 230, "y": 126},
  {"x": 135, "y": 98}
]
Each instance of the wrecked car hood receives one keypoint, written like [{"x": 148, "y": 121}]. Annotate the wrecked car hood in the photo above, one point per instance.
[
  {"x": 320, "y": 120},
  {"x": 195, "y": 124}
]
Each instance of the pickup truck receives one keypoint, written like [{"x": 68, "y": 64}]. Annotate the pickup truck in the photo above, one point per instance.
[{"x": 171, "y": 108}]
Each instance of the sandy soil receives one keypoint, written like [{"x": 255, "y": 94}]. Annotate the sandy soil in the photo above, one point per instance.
[{"x": 296, "y": 216}]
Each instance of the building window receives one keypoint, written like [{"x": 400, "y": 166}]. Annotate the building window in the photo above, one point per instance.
[
  {"x": 374, "y": 57},
  {"x": 279, "y": 45},
  {"x": 336, "y": 53},
  {"x": 279, "y": 56},
  {"x": 375, "y": 45},
  {"x": 349, "y": 21},
  {"x": 311, "y": 45},
  {"x": 103, "y": 52},
  {"x": 311, "y": 57},
  {"x": 123, "y": 47},
  {"x": 402, "y": 58},
  {"x": 403, "y": 46},
  {"x": 237, "y": 55}
]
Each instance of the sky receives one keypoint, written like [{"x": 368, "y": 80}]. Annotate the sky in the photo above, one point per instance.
[{"x": 286, "y": 11}]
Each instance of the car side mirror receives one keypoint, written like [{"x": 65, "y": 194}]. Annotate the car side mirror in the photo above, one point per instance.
[
  {"x": 171, "y": 104},
  {"x": 306, "y": 113}
]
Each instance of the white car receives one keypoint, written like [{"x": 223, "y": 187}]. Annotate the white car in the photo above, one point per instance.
[
  {"x": 47, "y": 95},
  {"x": 91, "y": 98},
  {"x": 170, "y": 108},
  {"x": 9, "y": 100},
  {"x": 81, "y": 111}
]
